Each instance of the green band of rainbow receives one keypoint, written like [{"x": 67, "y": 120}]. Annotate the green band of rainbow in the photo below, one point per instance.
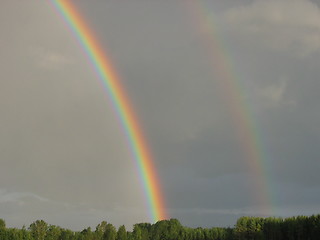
[{"x": 112, "y": 85}]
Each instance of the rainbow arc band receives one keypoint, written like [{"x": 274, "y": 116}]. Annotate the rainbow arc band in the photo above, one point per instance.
[
  {"x": 112, "y": 86},
  {"x": 244, "y": 122}
]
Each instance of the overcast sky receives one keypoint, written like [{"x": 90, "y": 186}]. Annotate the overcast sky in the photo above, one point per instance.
[{"x": 64, "y": 157}]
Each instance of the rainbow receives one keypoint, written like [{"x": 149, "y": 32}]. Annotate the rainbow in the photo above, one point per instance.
[
  {"x": 246, "y": 129},
  {"x": 112, "y": 85}
]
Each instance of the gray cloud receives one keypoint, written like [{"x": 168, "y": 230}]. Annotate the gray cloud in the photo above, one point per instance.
[
  {"x": 296, "y": 30},
  {"x": 64, "y": 157},
  {"x": 49, "y": 59}
]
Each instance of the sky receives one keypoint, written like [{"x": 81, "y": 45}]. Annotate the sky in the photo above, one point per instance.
[{"x": 64, "y": 155}]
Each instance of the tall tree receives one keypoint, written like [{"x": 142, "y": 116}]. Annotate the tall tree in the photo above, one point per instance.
[
  {"x": 110, "y": 232},
  {"x": 122, "y": 233},
  {"x": 53, "y": 233},
  {"x": 67, "y": 234},
  {"x": 137, "y": 232},
  {"x": 100, "y": 230},
  {"x": 39, "y": 229},
  {"x": 2, "y": 224}
]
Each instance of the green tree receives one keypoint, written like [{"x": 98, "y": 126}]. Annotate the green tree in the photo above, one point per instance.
[
  {"x": 110, "y": 232},
  {"x": 53, "y": 233},
  {"x": 100, "y": 229},
  {"x": 67, "y": 234},
  {"x": 2, "y": 224},
  {"x": 122, "y": 233},
  {"x": 142, "y": 231},
  {"x": 241, "y": 228},
  {"x": 13, "y": 234},
  {"x": 166, "y": 230},
  {"x": 25, "y": 234},
  {"x": 87, "y": 234},
  {"x": 3, "y": 231},
  {"x": 39, "y": 229},
  {"x": 137, "y": 232}
]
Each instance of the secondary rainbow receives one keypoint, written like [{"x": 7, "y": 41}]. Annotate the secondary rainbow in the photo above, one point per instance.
[
  {"x": 112, "y": 85},
  {"x": 240, "y": 110}
]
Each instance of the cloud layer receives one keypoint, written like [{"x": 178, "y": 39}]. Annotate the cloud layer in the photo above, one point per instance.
[
  {"x": 64, "y": 156},
  {"x": 283, "y": 25}
]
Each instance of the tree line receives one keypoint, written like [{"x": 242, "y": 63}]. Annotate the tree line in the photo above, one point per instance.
[{"x": 246, "y": 228}]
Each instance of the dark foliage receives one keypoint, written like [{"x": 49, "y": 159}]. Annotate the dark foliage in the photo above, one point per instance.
[{"x": 246, "y": 228}]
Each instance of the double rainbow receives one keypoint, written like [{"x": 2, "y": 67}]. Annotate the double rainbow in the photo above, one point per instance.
[
  {"x": 244, "y": 123},
  {"x": 112, "y": 85}
]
